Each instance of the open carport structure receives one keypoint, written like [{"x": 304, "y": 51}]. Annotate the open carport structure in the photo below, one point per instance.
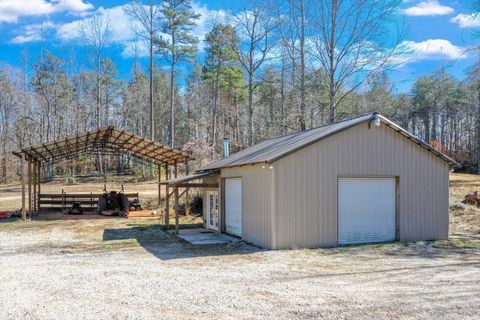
[{"x": 108, "y": 140}]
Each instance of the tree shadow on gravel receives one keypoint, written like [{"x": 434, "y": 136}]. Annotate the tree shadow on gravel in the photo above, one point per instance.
[{"x": 166, "y": 246}]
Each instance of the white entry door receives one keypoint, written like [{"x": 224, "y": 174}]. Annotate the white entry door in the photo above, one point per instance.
[
  {"x": 233, "y": 206},
  {"x": 212, "y": 210},
  {"x": 366, "y": 210}
]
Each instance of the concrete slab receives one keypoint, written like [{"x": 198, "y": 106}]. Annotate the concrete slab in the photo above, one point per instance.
[{"x": 201, "y": 236}]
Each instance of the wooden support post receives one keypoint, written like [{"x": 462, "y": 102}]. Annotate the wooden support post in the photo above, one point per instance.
[
  {"x": 176, "y": 210},
  {"x": 24, "y": 178},
  {"x": 35, "y": 183},
  {"x": 34, "y": 164},
  {"x": 159, "y": 168},
  {"x": 29, "y": 176},
  {"x": 39, "y": 184},
  {"x": 63, "y": 202},
  {"x": 3, "y": 170},
  {"x": 187, "y": 191},
  {"x": 176, "y": 199},
  {"x": 35, "y": 187},
  {"x": 167, "y": 200}
]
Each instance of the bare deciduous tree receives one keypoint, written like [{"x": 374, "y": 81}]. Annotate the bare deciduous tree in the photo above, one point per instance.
[
  {"x": 97, "y": 34},
  {"x": 147, "y": 25},
  {"x": 353, "y": 40},
  {"x": 254, "y": 25},
  {"x": 293, "y": 34}
]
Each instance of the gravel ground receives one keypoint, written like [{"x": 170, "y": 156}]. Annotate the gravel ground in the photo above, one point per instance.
[{"x": 124, "y": 269}]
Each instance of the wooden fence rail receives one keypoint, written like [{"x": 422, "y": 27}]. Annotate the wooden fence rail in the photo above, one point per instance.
[{"x": 61, "y": 201}]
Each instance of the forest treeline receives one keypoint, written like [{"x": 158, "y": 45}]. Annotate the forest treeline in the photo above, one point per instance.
[{"x": 272, "y": 68}]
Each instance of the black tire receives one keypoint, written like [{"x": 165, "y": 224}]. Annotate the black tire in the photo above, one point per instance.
[
  {"x": 101, "y": 205},
  {"x": 125, "y": 205}
]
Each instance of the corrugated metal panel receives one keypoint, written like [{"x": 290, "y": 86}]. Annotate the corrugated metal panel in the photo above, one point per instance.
[
  {"x": 256, "y": 202},
  {"x": 366, "y": 210},
  {"x": 279, "y": 147},
  {"x": 306, "y": 185}
]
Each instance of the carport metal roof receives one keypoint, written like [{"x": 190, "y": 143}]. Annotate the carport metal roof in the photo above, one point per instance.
[
  {"x": 104, "y": 140},
  {"x": 108, "y": 140}
]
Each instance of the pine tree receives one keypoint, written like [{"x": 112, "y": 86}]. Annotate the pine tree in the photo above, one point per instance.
[
  {"x": 221, "y": 43},
  {"x": 180, "y": 45}
]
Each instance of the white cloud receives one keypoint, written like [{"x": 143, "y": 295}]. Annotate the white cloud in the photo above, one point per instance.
[
  {"x": 120, "y": 25},
  {"x": 11, "y": 10},
  {"x": 206, "y": 20},
  {"x": 33, "y": 32},
  {"x": 467, "y": 20},
  {"x": 428, "y": 8},
  {"x": 432, "y": 49}
]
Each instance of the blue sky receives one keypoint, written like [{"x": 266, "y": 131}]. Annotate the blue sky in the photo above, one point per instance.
[{"x": 437, "y": 30}]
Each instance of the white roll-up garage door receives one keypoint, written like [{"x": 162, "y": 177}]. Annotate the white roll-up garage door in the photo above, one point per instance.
[
  {"x": 366, "y": 210},
  {"x": 233, "y": 206}
]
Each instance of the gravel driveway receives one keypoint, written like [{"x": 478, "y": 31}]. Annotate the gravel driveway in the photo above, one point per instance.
[{"x": 129, "y": 269}]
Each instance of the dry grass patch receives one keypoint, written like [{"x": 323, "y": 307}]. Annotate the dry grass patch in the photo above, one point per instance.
[{"x": 464, "y": 218}]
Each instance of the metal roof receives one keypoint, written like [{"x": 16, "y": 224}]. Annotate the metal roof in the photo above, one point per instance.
[
  {"x": 106, "y": 140},
  {"x": 279, "y": 147},
  {"x": 191, "y": 177}
]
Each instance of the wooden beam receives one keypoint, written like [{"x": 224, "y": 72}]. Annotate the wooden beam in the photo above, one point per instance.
[
  {"x": 49, "y": 151},
  {"x": 86, "y": 138},
  {"x": 107, "y": 134},
  {"x": 95, "y": 138},
  {"x": 39, "y": 154},
  {"x": 195, "y": 185},
  {"x": 22, "y": 168},
  {"x": 120, "y": 133},
  {"x": 138, "y": 149}
]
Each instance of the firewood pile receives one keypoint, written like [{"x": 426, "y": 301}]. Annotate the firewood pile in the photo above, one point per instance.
[{"x": 473, "y": 199}]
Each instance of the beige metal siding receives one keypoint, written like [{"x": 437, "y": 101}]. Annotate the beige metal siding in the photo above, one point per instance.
[
  {"x": 256, "y": 202},
  {"x": 306, "y": 185}
]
